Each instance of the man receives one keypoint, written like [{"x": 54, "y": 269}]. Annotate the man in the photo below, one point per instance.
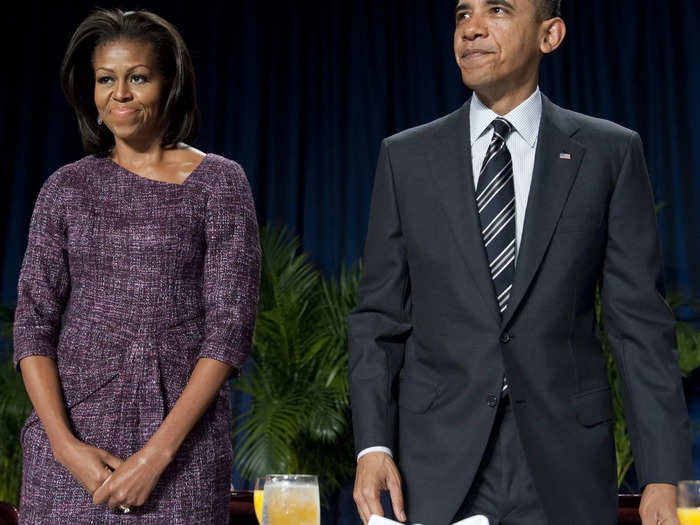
[{"x": 474, "y": 360}]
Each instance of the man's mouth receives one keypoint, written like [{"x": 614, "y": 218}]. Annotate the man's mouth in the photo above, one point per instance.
[{"x": 475, "y": 53}]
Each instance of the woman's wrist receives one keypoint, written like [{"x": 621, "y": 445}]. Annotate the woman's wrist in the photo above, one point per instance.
[
  {"x": 158, "y": 454},
  {"x": 62, "y": 445}
]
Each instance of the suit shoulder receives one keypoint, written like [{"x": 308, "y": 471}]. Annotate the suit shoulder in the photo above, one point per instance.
[
  {"x": 418, "y": 134},
  {"x": 598, "y": 129}
]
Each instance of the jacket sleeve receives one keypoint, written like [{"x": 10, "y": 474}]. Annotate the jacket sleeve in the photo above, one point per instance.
[
  {"x": 44, "y": 281},
  {"x": 641, "y": 329},
  {"x": 380, "y": 324},
  {"x": 231, "y": 271}
]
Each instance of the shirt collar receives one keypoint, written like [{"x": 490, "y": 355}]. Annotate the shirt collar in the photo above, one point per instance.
[{"x": 525, "y": 118}]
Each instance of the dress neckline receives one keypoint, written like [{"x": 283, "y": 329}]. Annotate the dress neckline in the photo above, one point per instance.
[{"x": 183, "y": 183}]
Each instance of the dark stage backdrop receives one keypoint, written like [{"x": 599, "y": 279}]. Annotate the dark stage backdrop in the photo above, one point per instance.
[{"x": 301, "y": 93}]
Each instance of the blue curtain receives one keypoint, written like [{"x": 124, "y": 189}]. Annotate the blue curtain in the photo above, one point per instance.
[{"x": 302, "y": 92}]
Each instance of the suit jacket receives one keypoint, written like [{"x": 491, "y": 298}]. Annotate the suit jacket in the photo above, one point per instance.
[{"x": 428, "y": 347}]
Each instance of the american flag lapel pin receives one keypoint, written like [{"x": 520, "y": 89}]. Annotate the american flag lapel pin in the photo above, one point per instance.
[{"x": 565, "y": 156}]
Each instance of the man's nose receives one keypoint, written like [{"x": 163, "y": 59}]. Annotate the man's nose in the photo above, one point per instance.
[{"x": 473, "y": 27}]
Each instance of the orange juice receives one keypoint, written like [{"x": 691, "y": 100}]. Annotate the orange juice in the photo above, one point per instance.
[
  {"x": 287, "y": 504},
  {"x": 258, "y": 504},
  {"x": 689, "y": 516}
]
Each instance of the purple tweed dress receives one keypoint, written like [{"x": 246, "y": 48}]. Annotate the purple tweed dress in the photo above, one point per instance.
[{"x": 148, "y": 276}]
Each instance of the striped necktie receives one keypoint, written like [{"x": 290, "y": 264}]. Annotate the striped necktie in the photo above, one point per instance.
[{"x": 495, "y": 199}]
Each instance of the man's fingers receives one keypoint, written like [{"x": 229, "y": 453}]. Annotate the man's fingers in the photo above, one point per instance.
[
  {"x": 367, "y": 499},
  {"x": 373, "y": 502},
  {"x": 394, "y": 485}
]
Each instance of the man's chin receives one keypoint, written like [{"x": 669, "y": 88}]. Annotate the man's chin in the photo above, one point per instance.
[{"x": 475, "y": 82}]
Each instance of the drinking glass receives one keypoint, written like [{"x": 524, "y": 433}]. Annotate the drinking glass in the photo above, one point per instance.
[
  {"x": 689, "y": 502},
  {"x": 291, "y": 499},
  {"x": 258, "y": 498}
]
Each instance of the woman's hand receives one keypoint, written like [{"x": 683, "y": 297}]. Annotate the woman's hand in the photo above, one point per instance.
[
  {"x": 131, "y": 483},
  {"x": 91, "y": 466}
]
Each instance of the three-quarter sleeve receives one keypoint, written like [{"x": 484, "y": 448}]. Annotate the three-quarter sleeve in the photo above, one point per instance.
[
  {"x": 231, "y": 274},
  {"x": 44, "y": 280}
]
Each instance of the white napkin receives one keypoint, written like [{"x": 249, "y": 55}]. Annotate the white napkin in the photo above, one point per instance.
[{"x": 473, "y": 520}]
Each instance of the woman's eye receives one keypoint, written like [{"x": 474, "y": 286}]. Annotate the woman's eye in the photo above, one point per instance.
[
  {"x": 138, "y": 79},
  {"x": 103, "y": 80}
]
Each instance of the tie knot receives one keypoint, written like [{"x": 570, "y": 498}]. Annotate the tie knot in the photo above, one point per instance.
[{"x": 502, "y": 127}]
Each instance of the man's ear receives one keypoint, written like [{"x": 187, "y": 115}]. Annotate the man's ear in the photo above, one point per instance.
[{"x": 553, "y": 32}]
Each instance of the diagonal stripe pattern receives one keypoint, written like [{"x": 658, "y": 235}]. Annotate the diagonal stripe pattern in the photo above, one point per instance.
[{"x": 495, "y": 199}]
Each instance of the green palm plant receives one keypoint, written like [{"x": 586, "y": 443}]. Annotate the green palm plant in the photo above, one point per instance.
[
  {"x": 14, "y": 409},
  {"x": 299, "y": 417}
]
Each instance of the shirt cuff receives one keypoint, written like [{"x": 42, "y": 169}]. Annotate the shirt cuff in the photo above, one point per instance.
[{"x": 367, "y": 450}]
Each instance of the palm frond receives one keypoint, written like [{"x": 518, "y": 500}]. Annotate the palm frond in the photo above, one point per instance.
[{"x": 297, "y": 383}]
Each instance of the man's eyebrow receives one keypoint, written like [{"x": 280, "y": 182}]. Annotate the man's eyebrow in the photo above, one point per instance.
[
  {"x": 461, "y": 6},
  {"x": 500, "y": 3}
]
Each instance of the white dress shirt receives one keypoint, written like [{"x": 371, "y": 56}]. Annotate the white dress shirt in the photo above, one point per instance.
[{"x": 522, "y": 144}]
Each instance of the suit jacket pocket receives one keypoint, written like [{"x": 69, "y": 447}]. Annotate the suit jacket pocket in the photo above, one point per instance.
[
  {"x": 416, "y": 394},
  {"x": 593, "y": 407}
]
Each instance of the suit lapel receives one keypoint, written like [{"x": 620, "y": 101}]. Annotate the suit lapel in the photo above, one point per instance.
[
  {"x": 452, "y": 171},
  {"x": 552, "y": 180}
]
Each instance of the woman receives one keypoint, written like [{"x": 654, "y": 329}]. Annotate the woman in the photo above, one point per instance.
[{"x": 149, "y": 250}]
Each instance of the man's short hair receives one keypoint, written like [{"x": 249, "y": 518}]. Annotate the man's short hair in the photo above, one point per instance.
[{"x": 547, "y": 9}]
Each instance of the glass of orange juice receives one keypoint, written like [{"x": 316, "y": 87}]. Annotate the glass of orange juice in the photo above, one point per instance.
[
  {"x": 258, "y": 498},
  {"x": 689, "y": 502},
  {"x": 291, "y": 499}
]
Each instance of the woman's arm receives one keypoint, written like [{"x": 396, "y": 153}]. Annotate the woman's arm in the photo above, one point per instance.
[
  {"x": 42, "y": 291},
  {"x": 132, "y": 483},
  {"x": 86, "y": 463}
]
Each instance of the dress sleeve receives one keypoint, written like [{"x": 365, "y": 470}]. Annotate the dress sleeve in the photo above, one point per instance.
[
  {"x": 231, "y": 271},
  {"x": 44, "y": 280}
]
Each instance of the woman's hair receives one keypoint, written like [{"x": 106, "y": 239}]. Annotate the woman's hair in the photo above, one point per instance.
[{"x": 179, "y": 113}]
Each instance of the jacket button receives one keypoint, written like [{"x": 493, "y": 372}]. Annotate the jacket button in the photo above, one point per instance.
[
  {"x": 492, "y": 400},
  {"x": 505, "y": 338}
]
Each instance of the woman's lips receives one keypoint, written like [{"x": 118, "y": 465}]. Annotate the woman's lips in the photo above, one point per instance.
[{"x": 122, "y": 112}]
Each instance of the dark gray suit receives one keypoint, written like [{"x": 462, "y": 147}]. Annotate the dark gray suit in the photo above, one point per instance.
[{"x": 428, "y": 348}]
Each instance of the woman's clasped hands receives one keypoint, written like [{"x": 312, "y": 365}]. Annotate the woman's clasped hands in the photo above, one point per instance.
[
  {"x": 111, "y": 481},
  {"x": 130, "y": 484}
]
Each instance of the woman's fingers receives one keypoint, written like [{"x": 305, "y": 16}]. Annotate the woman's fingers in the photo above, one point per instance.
[{"x": 112, "y": 461}]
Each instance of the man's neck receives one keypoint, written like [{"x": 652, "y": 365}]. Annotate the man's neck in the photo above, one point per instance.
[{"x": 502, "y": 102}]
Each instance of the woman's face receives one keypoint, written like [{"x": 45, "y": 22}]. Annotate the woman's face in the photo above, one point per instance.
[{"x": 128, "y": 88}]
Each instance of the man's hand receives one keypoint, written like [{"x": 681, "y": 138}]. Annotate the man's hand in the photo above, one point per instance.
[
  {"x": 377, "y": 472},
  {"x": 658, "y": 505}
]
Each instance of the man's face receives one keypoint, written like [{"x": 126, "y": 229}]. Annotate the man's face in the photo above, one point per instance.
[{"x": 497, "y": 43}]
